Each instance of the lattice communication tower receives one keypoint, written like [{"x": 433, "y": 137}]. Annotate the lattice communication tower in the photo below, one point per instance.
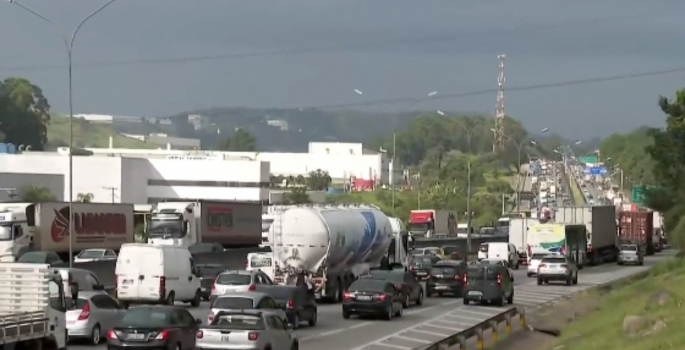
[{"x": 498, "y": 141}]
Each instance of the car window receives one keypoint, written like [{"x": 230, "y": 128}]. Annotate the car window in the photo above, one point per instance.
[
  {"x": 146, "y": 317},
  {"x": 186, "y": 318},
  {"x": 33, "y": 257},
  {"x": 559, "y": 260},
  {"x": 538, "y": 256},
  {"x": 484, "y": 248},
  {"x": 110, "y": 254},
  {"x": 631, "y": 248},
  {"x": 235, "y": 303},
  {"x": 90, "y": 254},
  {"x": 368, "y": 285},
  {"x": 104, "y": 302},
  {"x": 210, "y": 270},
  {"x": 79, "y": 304},
  {"x": 265, "y": 279},
  {"x": 53, "y": 257},
  {"x": 388, "y": 276},
  {"x": 233, "y": 279},
  {"x": 91, "y": 280},
  {"x": 239, "y": 322},
  {"x": 482, "y": 273},
  {"x": 267, "y": 303},
  {"x": 275, "y": 323}
]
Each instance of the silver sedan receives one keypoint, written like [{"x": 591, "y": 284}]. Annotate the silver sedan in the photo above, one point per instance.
[{"x": 92, "y": 314}]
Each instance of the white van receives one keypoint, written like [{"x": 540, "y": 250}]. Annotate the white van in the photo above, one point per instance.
[
  {"x": 261, "y": 261},
  {"x": 150, "y": 274},
  {"x": 499, "y": 250}
]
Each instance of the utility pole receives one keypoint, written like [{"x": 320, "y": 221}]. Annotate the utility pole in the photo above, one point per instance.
[
  {"x": 498, "y": 140},
  {"x": 114, "y": 192}
]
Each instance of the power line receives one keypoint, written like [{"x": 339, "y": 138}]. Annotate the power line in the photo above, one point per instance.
[
  {"x": 564, "y": 83},
  {"x": 295, "y": 51}
]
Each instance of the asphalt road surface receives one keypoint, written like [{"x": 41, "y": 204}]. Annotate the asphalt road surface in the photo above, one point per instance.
[{"x": 437, "y": 318}]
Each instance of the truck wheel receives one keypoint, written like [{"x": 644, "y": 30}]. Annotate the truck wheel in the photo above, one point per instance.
[{"x": 196, "y": 300}]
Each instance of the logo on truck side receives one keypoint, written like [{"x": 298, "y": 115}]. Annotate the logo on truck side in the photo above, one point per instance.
[{"x": 88, "y": 227}]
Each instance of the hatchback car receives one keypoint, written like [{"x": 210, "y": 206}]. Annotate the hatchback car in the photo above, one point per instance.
[
  {"x": 630, "y": 254},
  {"x": 297, "y": 302},
  {"x": 410, "y": 288},
  {"x": 244, "y": 301},
  {"x": 238, "y": 281},
  {"x": 246, "y": 329},
  {"x": 90, "y": 255},
  {"x": 488, "y": 283},
  {"x": 92, "y": 314},
  {"x": 372, "y": 297},
  {"x": 557, "y": 268},
  {"x": 154, "y": 327},
  {"x": 421, "y": 264},
  {"x": 446, "y": 278}
]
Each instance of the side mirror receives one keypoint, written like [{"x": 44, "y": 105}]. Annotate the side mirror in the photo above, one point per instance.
[
  {"x": 290, "y": 325},
  {"x": 98, "y": 287},
  {"x": 198, "y": 321}
]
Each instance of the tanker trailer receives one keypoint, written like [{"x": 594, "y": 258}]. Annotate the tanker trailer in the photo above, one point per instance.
[
  {"x": 329, "y": 243},
  {"x": 379, "y": 223}
]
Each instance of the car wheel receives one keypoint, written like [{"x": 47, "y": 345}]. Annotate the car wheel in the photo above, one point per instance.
[
  {"x": 569, "y": 281},
  {"x": 346, "y": 314},
  {"x": 405, "y": 303},
  {"x": 510, "y": 299},
  {"x": 295, "y": 346},
  {"x": 539, "y": 281},
  {"x": 388, "y": 313},
  {"x": 499, "y": 301},
  {"x": 196, "y": 300},
  {"x": 399, "y": 312},
  {"x": 419, "y": 301},
  {"x": 314, "y": 319},
  {"x": 466, "y": 301},
  {"x": 530, "y": 274},
  {"x": 95, "y": 335},
  {"x": 296, "y": 321}
]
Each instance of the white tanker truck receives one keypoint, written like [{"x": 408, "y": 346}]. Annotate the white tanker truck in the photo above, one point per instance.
[{"x": 334, "y": 244}]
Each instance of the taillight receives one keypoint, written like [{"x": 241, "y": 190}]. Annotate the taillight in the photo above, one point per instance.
[
  {"x": 214, "y": 288},
  {"x": 163, "y": 335},
  {"x": 381, "y": 297},
  {"x": 252, "y": 288},
  {"x": 290, "y": 304},
  {"x": 411, "y": 269},
  {"x": 499, "y": 280},
  {"x": 112, "y": 335},
  {"x": 85, "y": 312},
  {"x": 347, "y": 296},
  {"x": 210, "y": 318},
  {"x": 457, "y": 277},
  {"x": 466, "y": 279},
  {"x": 252, "y": 336},
  {"x": 398, "y": 286},
  {"x": 162, "y": 287},
  {"x": 199, "y": 335},
  {"x": 564, "y": 266}
]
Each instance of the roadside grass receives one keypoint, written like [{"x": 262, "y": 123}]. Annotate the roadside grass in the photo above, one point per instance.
[
  {"x": 88, "y": 135},
  {"x": 575, "y": 191},
  {"x": 656, "y": 298}
]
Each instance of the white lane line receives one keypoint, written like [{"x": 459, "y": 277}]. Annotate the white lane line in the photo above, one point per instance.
[
  {"x": 403, "y": 337},
  {"x": 390, "y": 346},
  {"x": 462, "y": 318},
  {"x": 461, "y": 323},
  {"x": 432, "y": 325},
  {"x": 428, "y": 332}
]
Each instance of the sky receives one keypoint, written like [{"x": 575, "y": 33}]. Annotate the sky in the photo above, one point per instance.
[{"x": 163, "y": 57}]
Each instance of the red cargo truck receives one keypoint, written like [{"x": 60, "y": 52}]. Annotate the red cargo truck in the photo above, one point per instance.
[{"x": 637, "y": 227}]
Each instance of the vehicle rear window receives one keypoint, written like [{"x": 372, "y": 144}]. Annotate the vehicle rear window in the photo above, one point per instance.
[
  {"x": 629, "y": 248},
  {"x": 90, "y": 254},
  {"x": 422, "y": 262},
  {"x": 368, "y": 285},
  {"x": 481, "y": 273},
  {"x": 538, "y": 256},
  {"x": 484, "y": 248},
  {"x": 388, "y": 276},
  {"x": 210, "y": 270},
  {"x": 444, "y": 270},
  {"x": 78, "y": 305},
  {"x": 235, "y": 303},
  {"x": 554, "y": 260},
  {"x": 282, "y": 292},
  {"x": 239, "y": 322},
  {"x": 450, "y": 250},
  {"x": 146, "y": 317},
  {"x": 233, "y": 279}
]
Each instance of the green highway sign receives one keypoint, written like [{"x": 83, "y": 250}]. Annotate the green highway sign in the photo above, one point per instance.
[
  {"x": 638, "y": 194},
  {"x": 588, "y": 159}
]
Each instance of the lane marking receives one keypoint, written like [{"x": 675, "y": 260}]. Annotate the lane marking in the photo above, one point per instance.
[
  {"x": 429, "y": 332},
  {"x": 433, "y": 325},
  {"x": 415, "y": 340},
  {"x": 394, "y": 346}
]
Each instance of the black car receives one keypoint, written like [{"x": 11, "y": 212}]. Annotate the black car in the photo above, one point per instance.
[
  {"x": 405, "y": 281},
  {"x": 154, "y": 327},
  {"x": 372, "y": 297},
  {"x": 298, "y": 303},
  {"x": 447, "y": 278},
  {"x": 421, "y": 264},
  {"x": 488, "y": 283},
  {"x": 208, "y": 273}
]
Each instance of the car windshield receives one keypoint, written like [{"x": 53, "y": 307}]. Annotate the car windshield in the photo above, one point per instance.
[
  {"x": 422, "y": 262},
  {"x": 554, "y": 260},
  {"x": 233, "y": 279},
  {"x": 239, "y": 322},
  {"x": 91, "y": 254},
  {"x": 236, "y": 303},
  {"x": 479, "y": 273},
  {"x": 146, "y": 317},
  {"x": 388, "y": 276},
  {"x": 33, "y": 257},
  {"x": 368, "y": 285},
  {"x": 442, "y": 270}
]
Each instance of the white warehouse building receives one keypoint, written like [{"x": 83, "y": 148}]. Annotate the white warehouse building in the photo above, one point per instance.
[
  {"x": 342, "y": 161},
  {"x": 136, "y": 180}
]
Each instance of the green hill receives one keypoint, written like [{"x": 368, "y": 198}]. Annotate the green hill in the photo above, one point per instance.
[{"x": 87, "y": 134}]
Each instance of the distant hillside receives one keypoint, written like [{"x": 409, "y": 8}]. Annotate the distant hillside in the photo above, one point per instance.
[{"x": 87, "y": 135}]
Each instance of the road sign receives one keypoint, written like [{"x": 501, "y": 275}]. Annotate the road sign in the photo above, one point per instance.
[
  {"x": 527, "y": 196},
  {"x": 603, "y": 170},
  {"x": 586, "y": 171},
  {"x": 588, "y": 159},
  {"x": 638, "y": 194},
  {"x": 595, "y": 170}
]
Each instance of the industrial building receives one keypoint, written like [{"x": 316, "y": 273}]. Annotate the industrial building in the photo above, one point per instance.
[
  {"x": 135, "y": 179},
  {"x": 344, "y": 162}
]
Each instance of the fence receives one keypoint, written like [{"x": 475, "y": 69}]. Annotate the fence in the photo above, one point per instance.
[{"x": 478, "y": 331}]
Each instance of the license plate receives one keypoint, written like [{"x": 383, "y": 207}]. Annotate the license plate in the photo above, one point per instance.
[
  {"x": 421, "y": 273},
  {"x": 224, "y": 339},
  {"x": 204, "y": 289},
  {"x": 127, "y": 282},
  {"x": 135, "y": 336},
  {"x": 441, "y": 287},
  {"x": 475, "y": 293},
  {"x": 363, "y": 297},
  {"x": 439, "y": 276}
]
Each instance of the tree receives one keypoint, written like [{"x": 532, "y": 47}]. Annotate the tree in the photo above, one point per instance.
[
  {"x": 318, "y": 180},
  {"x": 36, "y": 194},
  {"x": 297, "y": 195},
  {"x": 240, "y": 141},
  {"x": 24, "y": 113},
  {"x": 84, "y": 197}
]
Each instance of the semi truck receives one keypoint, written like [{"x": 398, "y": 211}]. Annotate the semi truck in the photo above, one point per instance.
[
  {"x": 600, "y": 223},
  {"x": 570, "y": 240},
  {"x": 45, "y": 227},
  {"x": 431, "y": 222},
  {"x": 335, "y": 245},
  {"x": 32, "y": 307},
  {"x": 636, "y": 227},
  {"x": 231, "y": 224}
]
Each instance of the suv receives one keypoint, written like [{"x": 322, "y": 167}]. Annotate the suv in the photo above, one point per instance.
[
  {"x": 238, "y": 281},
  {"x": 446, "y": 278},
  {"x": 488, "y": 283},
  {"x": 557, "y": 268}
]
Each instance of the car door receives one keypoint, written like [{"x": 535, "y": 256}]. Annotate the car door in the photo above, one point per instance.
[
  {"x": 188, "y": 328},
  {"x": 280, "y": 335},
  {"x": 91, "y": 282},
  {"x": 414, "y": 287},
  {"x": 108, "y": 312}
]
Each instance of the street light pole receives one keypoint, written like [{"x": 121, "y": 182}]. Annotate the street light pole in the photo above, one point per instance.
[{"x": 69, "y": 46}]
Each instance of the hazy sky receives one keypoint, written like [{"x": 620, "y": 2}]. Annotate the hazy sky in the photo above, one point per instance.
[{"x": 304, "y": 53}]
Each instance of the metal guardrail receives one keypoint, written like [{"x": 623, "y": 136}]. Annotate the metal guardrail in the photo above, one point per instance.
[{"x": 492, "y": 324}]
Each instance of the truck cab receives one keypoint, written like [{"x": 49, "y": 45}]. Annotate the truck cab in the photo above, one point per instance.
[
  {"x": 15, "y": 234},
  {"x": 174, "y": 223}
]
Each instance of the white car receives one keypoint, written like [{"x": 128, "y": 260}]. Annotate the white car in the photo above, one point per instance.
[
  {"x": 534, "y": 262},
  {"x": 90, "y": 255}
]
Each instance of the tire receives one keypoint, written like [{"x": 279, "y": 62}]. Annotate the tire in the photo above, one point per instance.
[
  {"x": 510, "y": 299},
  {"x": 388, "y": 314},
  {"x": 516, "y": 267},
  {"x": 466, "y": 301},
  {"x": 125, "y": 304},
  {"x": 170, "y": 300},
  {"x": 419, "y": 301},
  {"x": 530, "y": 274},
  {"x": 295, "y": 346},
  {"x": 499, "y": 301},
  {"x": 575, "y": 279},
  {"x": 315, "y": 318},
  {"x": 399, "y": 312},
  {"x": 95, "y": 335},
  {"x": 619, "y": 263},
  {"x": 569, "y": 281},
  {"x": 539, "y": 281},
  {"x": 296, "y": 322},
  {"x": 346, "y": 314},
  {"x": 406, "y": 301},
  {"x": 196, "y": 300}
]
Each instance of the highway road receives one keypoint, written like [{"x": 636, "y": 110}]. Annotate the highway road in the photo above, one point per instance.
[{"x": 437, "y": 318}]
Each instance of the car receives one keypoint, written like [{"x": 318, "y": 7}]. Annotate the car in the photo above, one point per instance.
[
  {"x": 534, "y": 262},
  {"x": 298, "y": 303},
  {"x": 372, "y": 297},
  {"x": 37, "y": 257},
  {"x": 446, "y": 278},
  {"x": 500, "y": 262},
  {"x": 420, "y": 265},
  {"x": 238, "y": 281},
  {"x": 92, "y": 314},
  {"x": 247, "y": 329},
  {"x": 557, "y": 268},
  {"x": 405, "y": 281},
  {"x": 488, "y": 283},
  {"x": 630, "y": 254},
  {"x": 90, "y": 255},
  {"x": 208, "y": 273},
  {"x": 453, "y": 252},
  {"x": 245, "y": 301},
  {"x": 81, "y": 279},
  {"x": 154, "y": 327}
]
